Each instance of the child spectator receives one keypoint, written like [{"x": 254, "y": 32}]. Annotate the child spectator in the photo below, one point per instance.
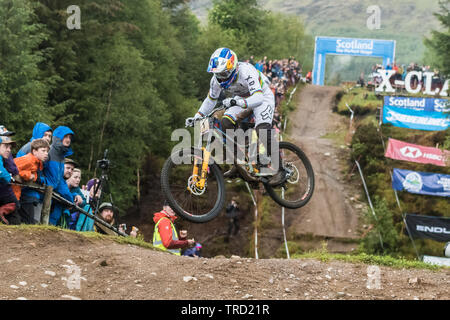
[
  {"x": 8, "y": 202},
  {"x": 194, "y": 251},
  {"x": 40, "y": 131},
  {"x": 74, "y": 187},
  {"x": 29, "y": 167}
]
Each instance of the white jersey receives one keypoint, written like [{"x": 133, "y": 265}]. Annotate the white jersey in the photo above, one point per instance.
[{"x": 249, "y": 82}]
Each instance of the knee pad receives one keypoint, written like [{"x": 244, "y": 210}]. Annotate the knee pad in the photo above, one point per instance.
[
  {"x": 263, "y": 126},
  {"x": 228, "y": 123}
]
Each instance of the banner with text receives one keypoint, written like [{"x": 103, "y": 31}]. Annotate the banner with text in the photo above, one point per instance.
[
  {"x": 420, "y": 104},
  {"x": 435, "y": 228},
  {"x": 399, "y": 150},
  {"x": 414, "y": 119},
  {"x": 434, "y": 184}
]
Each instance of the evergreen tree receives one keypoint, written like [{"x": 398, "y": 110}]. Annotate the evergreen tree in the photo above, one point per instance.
[
  {"x": 22, "y": 89},
  {"x": 439, "y": 44}
]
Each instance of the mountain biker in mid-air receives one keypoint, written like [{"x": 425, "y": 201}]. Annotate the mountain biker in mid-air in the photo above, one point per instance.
[{"x": 249, "y": 89}]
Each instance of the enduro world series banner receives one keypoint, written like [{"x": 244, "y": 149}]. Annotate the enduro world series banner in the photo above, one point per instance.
[
  {"x": 433, "y": 184},
  {"x": 416, "y": 113},
  {"x": 435, "y": 228},
  {"x": 399, "y": 150}
]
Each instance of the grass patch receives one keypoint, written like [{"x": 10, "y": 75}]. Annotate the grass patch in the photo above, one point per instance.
[
  {"x": 360, "y": 101},
  {"x": 337, "y": 136},
  {"x": 388, "y": 261},
  {"x": 90, "y": 235}
]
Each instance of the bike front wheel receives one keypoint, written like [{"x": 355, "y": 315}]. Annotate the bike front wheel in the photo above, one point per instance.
[
  {"x": 185, "y": 197},
  {"x": 299, "y": 187}
]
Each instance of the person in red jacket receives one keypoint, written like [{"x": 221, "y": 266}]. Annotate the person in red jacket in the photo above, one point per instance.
[{"x": 165, "y": 236}]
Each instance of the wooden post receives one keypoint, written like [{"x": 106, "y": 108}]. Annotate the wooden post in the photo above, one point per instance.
[{"x": 45, "y": 214}]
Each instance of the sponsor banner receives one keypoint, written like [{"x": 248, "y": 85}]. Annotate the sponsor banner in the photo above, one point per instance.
[
  {"x": 400, "y": 150},
  {"x": 438, "y": 261},
  {"x": 426, "y": 227},
  {"x": 413, "y": 119},
  {"x": 354, "y": 46},
  {"x": 434, "y": 184},
  {"x": 419, "y": 104}
]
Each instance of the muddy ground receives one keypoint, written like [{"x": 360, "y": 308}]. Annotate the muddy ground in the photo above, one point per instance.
[{"x": 42, "y": 264}]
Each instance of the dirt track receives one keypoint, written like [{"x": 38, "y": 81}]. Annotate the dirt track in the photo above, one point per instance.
[
  {"x": 330, "y": 213},
  {"x": 36, "y": 265}
]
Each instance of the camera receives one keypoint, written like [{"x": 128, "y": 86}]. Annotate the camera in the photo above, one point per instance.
[{"x": 103, "y": 163}]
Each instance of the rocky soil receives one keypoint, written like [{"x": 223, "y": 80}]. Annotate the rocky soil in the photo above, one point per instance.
[{"x": 43, "y": 264}]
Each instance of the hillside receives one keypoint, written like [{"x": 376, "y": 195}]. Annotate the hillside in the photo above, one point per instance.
[
  {"x": 348, "y": 18},
  {"x": 48, "y": 263}
]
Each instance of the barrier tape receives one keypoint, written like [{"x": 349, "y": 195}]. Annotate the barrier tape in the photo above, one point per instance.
[
  {"x": 282, "y": 219},
  {"x": 256, "y": 219},
  {"x": 368, "y": 198}
]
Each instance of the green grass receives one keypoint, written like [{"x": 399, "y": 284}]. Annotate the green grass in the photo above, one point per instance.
[
  {"x": 388, "y": 261},
  {"x": 90, "y": 235},
  {"x": 360, "y": 101}
]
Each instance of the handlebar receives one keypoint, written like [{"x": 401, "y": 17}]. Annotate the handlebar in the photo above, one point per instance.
[{"x": 221, "y": 107}]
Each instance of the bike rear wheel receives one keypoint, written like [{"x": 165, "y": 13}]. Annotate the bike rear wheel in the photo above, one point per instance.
[
  {"x": 299, "y": 188},
  {"x": 195, "y": 204}
]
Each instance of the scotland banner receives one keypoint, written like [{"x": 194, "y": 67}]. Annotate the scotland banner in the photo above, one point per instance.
[
  {"x": 414, "y": 119},
  {"x": 433, "y": 184},
  {"x": 420, "y": 104},
  {"x": 435, "y": 228}
]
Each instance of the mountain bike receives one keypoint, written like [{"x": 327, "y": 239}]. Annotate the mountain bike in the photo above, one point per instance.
[{"x": 194, "y": 186}]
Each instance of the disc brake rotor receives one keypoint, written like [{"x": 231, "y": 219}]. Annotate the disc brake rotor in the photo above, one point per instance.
[
  {"x": 192, "y": 186},
  {"x": 293, "y": 173}
]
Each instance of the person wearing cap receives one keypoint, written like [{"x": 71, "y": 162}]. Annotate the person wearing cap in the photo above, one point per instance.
[
  {"x": 165, "y": 236},
  {"x": 8, "y": 201},
  {"x": 40, "y": 131},
  {"x": 69, "y": 166},
  {"x": 105, "y": 212}
]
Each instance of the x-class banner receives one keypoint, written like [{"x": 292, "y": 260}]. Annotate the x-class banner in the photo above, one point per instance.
[
  {"x": 419, "y": 104},
  {"x": 436, "y": 228},
  {"x": 414, "y": 119},
  {"x": 434, "y": 184},
  {"x": 399, "y": 150}
]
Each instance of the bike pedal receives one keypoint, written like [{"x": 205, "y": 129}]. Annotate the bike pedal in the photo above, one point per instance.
[{"x": 264, "y": 179}]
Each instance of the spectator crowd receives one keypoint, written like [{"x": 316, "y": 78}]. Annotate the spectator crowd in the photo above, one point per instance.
[
  {"x": 401, "y": 70},
  {"x": 44, "y": 160},
  {"x": 282, "y": 74}
]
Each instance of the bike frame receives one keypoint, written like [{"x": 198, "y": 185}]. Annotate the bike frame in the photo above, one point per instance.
[{"x": 211, "y": 130}]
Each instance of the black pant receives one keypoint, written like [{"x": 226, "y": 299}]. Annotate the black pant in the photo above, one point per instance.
[{"x": 233, "y": 222}]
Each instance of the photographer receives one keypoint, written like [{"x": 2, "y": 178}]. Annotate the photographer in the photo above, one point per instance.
[{"x": 232, "y": 213}]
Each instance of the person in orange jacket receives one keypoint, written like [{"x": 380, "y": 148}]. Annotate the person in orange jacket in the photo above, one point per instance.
[
  {"x": 165, "y": 235},
  {"x": 28, "y": 167}
]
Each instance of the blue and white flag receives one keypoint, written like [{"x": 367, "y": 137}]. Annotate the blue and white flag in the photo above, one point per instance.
[
  {"x": 420, "y": 104},
  {"x": 414, "y": 119},
  {"x": 434, "y": 184}
]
